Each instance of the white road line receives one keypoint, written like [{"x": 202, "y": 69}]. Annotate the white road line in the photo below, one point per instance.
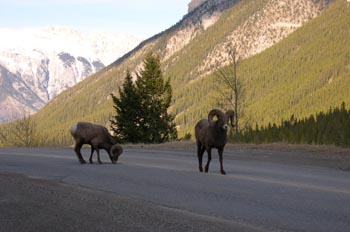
[
  {"x": 41, "y": 155},
  {"x": 291, "y": 184}
]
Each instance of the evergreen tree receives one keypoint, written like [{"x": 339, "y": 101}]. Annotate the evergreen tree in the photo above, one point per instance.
[
  {"x": 126, "y": 122},
  {"x": 156, "y": 124},
  {"x": 141, "y": 109},
  {"x": 332, "y": 127}
]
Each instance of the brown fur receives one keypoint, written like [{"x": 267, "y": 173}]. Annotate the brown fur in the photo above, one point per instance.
[
  {"x": 97, "y": 137},
  {"x": 212, "y": 134}
]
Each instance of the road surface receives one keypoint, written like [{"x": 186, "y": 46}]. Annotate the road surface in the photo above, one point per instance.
[{"x": 160, "y": 189}]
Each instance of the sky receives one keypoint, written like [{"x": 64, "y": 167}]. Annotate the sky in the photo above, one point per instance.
[{"x": 142, "y": 18}]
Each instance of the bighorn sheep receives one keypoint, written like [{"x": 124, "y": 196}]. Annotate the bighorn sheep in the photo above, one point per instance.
[
  {"x": 212, "y": 134},
  {"x": 97, "y": 137}
]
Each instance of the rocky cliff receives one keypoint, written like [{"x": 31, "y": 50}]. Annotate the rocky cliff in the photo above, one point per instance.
[
  {"x": 194, "y": 4},
  {"x": 38, "y": 64}
]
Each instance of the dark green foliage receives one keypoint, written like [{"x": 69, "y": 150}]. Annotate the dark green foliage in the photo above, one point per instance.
[
  {"x": 127, "y": 117},
  {"x": 156, "y": 124},
  {"x": 142, "y": 108},
  {"x": 331, "y": 128}
]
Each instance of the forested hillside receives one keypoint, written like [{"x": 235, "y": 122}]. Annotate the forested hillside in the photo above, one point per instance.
[
  {"x": 305, "y": 73},
  {"x": 325, "y": 128}
]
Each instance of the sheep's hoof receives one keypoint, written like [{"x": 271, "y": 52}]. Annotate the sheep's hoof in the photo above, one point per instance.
[
  {"x": 82, "y": 161},
  {"x": 91, "y": 162},
  {"x": 223, "y": 172},
  {"x": 201, "y": 169},
  {"x": 99, "y": 162}
]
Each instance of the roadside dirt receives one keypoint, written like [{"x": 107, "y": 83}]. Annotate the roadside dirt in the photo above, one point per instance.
[{"x": 28, "y": 204}]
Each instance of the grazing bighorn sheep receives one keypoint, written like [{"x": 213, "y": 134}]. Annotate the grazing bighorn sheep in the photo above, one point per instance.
[
  {"x": 212, "y": 134},
  {"x": 98, "y": 137}
]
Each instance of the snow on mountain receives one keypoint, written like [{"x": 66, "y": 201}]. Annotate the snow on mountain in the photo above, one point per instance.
[
  {"x": 39, "y": 63},
  {"x": 106, "y": 47}
]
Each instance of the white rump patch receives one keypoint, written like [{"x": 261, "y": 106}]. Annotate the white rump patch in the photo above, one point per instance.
[{"x": 73, "y": 129}]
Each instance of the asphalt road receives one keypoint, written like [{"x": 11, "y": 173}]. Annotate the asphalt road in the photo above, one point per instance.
[{"x": 160, "y": 189}]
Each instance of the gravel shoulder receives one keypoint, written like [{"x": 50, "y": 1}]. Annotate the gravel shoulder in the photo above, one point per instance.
[{"x": 40, "y": 205}]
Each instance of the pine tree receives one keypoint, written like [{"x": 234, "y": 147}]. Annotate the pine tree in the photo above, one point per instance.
[
  {"x": 156, "y": 124},
  {"x": 126, "y": 122},
  {"x": 141, "y": 108}
]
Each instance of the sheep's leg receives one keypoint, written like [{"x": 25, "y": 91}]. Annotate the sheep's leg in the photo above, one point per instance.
[
  {"x": 92, "y": 152},
  {"x": 98, "y": 155},
  {"x": 221, "y": 151},
  {"x": 111, "y": 156},
  {"x": 209, "y": 159},
  {"x": 200, "y": 152},
  {"x": 77, "y": 149}
]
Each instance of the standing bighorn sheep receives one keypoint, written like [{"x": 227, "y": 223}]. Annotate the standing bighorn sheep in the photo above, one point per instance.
[
  {"x": 98, "y": 137},
  {"x": 212, "y": 134}
]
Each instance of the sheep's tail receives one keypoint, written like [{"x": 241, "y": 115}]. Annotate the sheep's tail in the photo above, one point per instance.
[{"x": 73, "y": 129}]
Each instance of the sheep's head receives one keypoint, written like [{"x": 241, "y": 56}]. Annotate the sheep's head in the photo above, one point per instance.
[
  {"x": 222, "y": 119},
  {"x": 115, "y": 152}
]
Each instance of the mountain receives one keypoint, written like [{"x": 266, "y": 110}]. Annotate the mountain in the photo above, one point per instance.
[
  {"x": 38, "y": 64},
  {"x": 294, "y": 59},
  {"x": 194, "y": 4}
]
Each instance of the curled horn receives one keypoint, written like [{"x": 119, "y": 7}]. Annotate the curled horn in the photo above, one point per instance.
[
  {"x": 230, "y": 114},
  {"x": 216, "y": 112}
]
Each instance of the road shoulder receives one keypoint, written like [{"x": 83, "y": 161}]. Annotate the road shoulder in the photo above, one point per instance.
[{"x": 41, "y": 205}]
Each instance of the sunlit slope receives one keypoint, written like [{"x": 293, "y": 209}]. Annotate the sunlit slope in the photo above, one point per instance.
[
  {"x": 307, "y": 72},
  {"x": 90, "y": 100}
]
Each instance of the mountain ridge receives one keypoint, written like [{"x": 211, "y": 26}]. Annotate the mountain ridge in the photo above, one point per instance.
[
  {"x": 48, "y": 61},
  {"x": 270, "y": 88}
]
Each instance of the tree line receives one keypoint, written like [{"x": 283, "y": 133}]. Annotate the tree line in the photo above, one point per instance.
[{"x": 326, "y": 128}]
